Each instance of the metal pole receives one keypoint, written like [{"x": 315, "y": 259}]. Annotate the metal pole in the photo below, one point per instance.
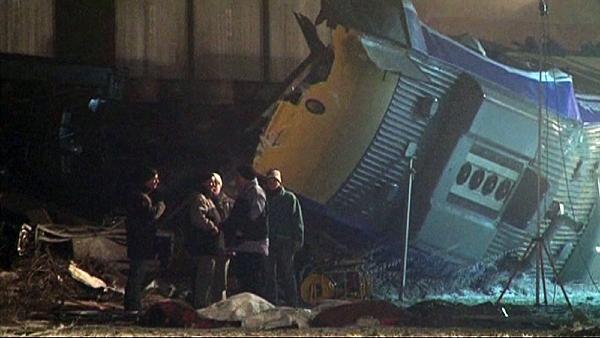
[
  {"x": 539, "y": 163},
  {"x": 408, "y": 200}
]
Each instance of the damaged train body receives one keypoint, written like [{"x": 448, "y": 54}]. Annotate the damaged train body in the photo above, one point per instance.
[{"x": 499, "y": 150}]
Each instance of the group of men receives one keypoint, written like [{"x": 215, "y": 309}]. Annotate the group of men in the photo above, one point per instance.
[{"x": 259, "y": 234}]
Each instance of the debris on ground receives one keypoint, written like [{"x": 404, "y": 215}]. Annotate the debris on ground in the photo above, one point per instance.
[
  {"x": 101, "y": 243},
  {"x": 69, "y": 273},
  {"x": 89, "y": 280},
  {"x": 42, "y": 285},
  {"x": 61, "y": 290},
  {"x": 8, "y": 276}
]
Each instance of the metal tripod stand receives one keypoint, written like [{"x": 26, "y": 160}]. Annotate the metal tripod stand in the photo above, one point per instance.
[{"x": 537, "y": 246}]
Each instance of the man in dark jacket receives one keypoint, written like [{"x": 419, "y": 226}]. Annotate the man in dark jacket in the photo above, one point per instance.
[
  {"x": 205, "y": 241},
  {"x": 286, "y": 237},
  {"x": 248, "y": 232},
  {"x": 142, "y": 214}
]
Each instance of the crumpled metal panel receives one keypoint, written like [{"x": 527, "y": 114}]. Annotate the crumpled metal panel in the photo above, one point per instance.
[
  {"x": 383, "y": 163},
  {"x": 565, "y": 143},
  {"x": 578, "y": 191},
  {"x": 387, "y": 56}
]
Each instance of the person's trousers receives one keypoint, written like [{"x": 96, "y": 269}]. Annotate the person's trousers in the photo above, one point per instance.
[
  {"x": 250, "y": 272},
  {"x": 281, "y": 275},
  {"x": 138, "y": 272},
  {"x": 210, "y": 280}
]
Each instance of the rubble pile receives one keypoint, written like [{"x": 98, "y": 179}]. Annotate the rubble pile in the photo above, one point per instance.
[
  {"x": 114, "y": 277},
  {"x": 37, "y": 284},
  {"x": 482, "y": 277},
  {"x": 55, "y": 273},
  {"x": 429, "y": 276}
]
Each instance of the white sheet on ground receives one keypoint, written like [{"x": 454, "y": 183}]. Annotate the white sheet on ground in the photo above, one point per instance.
[
  {"x": 255, "y": 313},
  {"x": 236, "y": 308},
  {"x": 278, "y": 317}
]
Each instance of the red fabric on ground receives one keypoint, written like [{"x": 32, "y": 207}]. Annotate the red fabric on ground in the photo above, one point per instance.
[
  {"x": 344, "y": 315},
  {"x": 171, "y": 313}
]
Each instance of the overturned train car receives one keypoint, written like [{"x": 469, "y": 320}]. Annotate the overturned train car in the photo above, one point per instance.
[{"x": 342, "y": 129}]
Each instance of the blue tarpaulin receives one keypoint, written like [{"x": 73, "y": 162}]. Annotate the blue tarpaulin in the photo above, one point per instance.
[{"x": 556, "y": 87}]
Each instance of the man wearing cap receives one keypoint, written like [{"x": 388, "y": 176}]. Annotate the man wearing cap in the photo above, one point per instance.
[
  {"x": 286, "y": 238},
  {"x": 247, "y": 232}
]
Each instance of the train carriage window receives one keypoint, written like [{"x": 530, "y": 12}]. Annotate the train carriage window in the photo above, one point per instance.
[
  {"x": 476, "y": 179},
  {"x": 489, "y": 185},
  {"x": 464, "y": 173}
]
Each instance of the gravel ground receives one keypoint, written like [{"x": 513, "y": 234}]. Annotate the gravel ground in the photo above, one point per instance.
[{"x": 46, "y": 329}]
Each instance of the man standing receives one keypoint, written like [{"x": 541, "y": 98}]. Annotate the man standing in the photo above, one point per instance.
[
  {"x": 248, "y": 232},
  {"x": 286, "y": 236},
  {"x": 224, "y": 204},
  {"x": 206, "y": 243},
  {"x": 142, "y": 214}
]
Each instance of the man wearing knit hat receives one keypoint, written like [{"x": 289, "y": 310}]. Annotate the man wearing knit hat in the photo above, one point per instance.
[
  {"x": 247, "y": 232},
  {"x": 205, "y": 240},
  {"x": 286, "y": 237}
]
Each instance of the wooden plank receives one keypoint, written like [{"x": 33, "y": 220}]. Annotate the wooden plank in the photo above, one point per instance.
[
  {"x": 130, "y": 41},
  {"x": 227, "y": 39},
  {"x": 151, "y": 38},
  {"x": 27, "y": 27}
]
